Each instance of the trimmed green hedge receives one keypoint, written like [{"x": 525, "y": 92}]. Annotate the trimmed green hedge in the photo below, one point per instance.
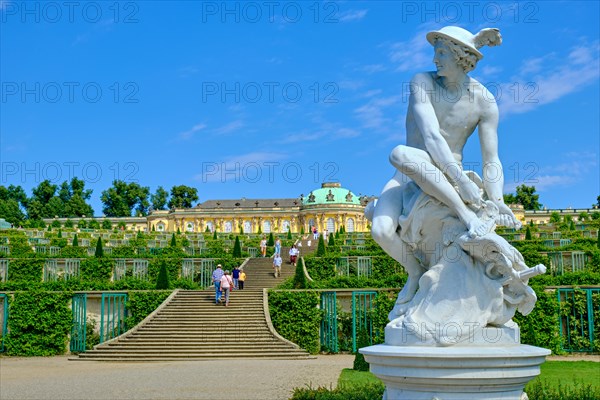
[
  {"x": 295, "y": 316},
  {"x": 140, "y": 304},
  {"x": 39, "y": 323}
]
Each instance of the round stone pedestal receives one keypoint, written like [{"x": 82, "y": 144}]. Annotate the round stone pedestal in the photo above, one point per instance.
[{"x": 454, "y": 372}]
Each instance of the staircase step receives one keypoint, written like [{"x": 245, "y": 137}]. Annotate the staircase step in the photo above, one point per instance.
[{"x": 192, "y": 327}]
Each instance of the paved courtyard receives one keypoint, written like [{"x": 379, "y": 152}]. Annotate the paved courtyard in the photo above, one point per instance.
[{"x": 58, "y": 378}]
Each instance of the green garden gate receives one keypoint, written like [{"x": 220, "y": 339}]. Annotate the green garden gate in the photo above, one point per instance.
[
  {"x": 329, "y": 333},
  {"x": 112, "y": 315},
  {"x": 4, "y": 314},
  {"x": 579, "y": 318},
  {"x": 362, "y": 302},
  {"x": 78, "y": 330}
]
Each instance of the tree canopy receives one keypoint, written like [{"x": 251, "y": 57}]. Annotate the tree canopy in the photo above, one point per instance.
[
  {"x": 122, "y": 198},
  {"x": 159, "y": 199},
  {"x": 183, "y": 196},
  {"x": 525, "y": 196}
]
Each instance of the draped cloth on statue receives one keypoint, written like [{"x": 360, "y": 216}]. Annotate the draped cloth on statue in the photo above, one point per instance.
[{"x": 467, "y": 284}]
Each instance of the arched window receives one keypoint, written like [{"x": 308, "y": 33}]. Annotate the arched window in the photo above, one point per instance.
[
  {"x": 228, "y": 226},
  {"x": 311, "y": 223},
  {"x": 210, "y": 226},
  {"x": 350, "y": 225},
  {"x": 266, "y": 227},
  {"x": 285, "y": 225},
  {"x": 189, "y": 227},
  {"x": 330, "y": 225},
  {"x": 247, "y": 227},
  {"x": 160, "y": 227}
]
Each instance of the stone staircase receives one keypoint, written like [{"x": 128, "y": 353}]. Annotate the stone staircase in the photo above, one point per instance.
[{"x": 190, "y": 326}]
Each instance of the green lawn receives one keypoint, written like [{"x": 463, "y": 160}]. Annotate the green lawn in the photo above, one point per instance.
[
  {"x": 568, "y": 372},
  {"x": 558, "y": 380}
]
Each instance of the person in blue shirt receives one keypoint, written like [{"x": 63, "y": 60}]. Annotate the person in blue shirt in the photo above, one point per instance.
[
  {"x": 216, "y": 277},
  {"x": 235, "y": 275}
]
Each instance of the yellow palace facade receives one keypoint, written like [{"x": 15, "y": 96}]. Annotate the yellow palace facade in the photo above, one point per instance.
[{"x": 328, "y": 207}]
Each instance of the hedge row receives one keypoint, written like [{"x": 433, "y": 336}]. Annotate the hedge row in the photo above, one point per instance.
[{"x": 39, "y": 322}]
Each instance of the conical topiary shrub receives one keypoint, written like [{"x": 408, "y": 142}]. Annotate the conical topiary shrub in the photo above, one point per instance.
[
  {"x": 362, "y": 340},
  {"x": 99, "y": 251},
  {"x": 173, "y": 241},
  {"x": 162, "y": 280},
  {"x": 271, "y": 241},
  {"x": 528, "y": 234},
  {"x": 299, "y": 277},
  {"x": 289, "y": 234},
  {"x": 215, "y": 235},
  {"x": 331, "y": 242},
  {"x": 237, "y": 248},
  {"x": 75, "y": 241},
  {"x": 59, "y": 233},
  {"x": 321, "y": 247}
]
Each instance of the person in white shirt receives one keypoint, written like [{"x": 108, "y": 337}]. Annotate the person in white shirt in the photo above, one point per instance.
[{"x": 294, "y": 255}]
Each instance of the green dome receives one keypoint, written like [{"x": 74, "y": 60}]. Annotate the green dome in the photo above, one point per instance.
[{"x": 330, "y": 193}]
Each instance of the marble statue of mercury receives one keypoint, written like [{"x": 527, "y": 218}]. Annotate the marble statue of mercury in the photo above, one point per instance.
[{"x": 445, "y": 107}]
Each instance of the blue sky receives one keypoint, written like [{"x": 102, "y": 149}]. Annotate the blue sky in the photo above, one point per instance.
[{"x": 269, "y": 99}]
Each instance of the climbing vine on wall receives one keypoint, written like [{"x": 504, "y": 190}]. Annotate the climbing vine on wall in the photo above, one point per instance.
[
  {"x": 296, "y": 317},
  {"x": 39, "y": 323}
]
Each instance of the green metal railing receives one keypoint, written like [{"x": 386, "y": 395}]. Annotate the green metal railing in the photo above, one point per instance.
[
  {"x": 362, "y": 302},
  {"x": 354, "y": 265},
  {"x": 4, "y": 270},
  {"x": 78, "y": 330},
  {"x": 4, "y": 302},
  {"x": 112, "y": 315},
  {"x": 329, "y": 333},
  {"x": 579, "y": 319}
]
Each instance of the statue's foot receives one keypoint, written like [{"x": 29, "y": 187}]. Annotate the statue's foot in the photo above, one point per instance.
[
  {"x": 406, "y": 295},
  {"x": 479, "y": 227},
  {"x": 408, "y": 291}
]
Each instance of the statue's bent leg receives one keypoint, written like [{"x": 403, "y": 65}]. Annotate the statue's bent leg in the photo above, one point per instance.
[
  {"x": 418, "y": 165},
  {"x": 385, "y": 232}
]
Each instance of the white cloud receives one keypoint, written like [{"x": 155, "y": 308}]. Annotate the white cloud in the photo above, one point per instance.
[
  {"x": 302, "y": 137},
  {"x": 413, "y": 54},
  {"x": 372, "y": 114},
  {"x": 229, "y": 128},
  {"x": 190, "y": 132},
  {"x": 538, "y": 83},
  {"x": 234, "y": 168},
  {"x": 351, "y": 85},
  {"x": 488, "y": 71},
  {"x": 346, "y": 133},
  {"x": 373, "y": 68},
  {"x": 352, "y": 15},
  {"x": 550, "y": 177}
]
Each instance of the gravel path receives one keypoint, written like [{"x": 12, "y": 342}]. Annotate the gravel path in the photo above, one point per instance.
[{"x": 58, "y": 378}]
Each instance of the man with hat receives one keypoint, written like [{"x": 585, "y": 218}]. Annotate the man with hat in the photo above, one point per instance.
[
  {"x": 445, "y": 107},
  {"x": 216, "y": 277}
]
